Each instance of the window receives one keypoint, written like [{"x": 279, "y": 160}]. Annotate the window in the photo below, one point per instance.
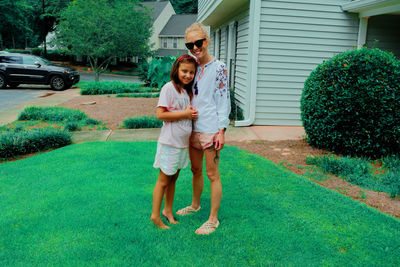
[
  {"x": 164, "y": 42},
  {"x": 28, "y": 61},
  {"x": 11, "y": 59},
  {"x": 175, "y": 45}
]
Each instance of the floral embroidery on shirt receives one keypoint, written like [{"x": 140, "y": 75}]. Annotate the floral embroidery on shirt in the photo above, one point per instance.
[{"x": 222, "y": 81}]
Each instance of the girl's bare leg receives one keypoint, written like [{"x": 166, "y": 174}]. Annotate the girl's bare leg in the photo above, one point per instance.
[
  {"x": 169, "y": 199},
  {"x": 196, "y": 160},
  {"x": 158, "y": 194}
]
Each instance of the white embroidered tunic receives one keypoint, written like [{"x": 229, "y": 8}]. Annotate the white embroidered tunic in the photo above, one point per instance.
[{"x": 211, "y": 97}]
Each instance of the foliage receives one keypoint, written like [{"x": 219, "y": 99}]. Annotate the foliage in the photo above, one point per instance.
[
  {"x": 143, "y": 69},
  {"x": 142, "y": 122},
  {"x": 351, "y": 104},
  {"x": 362, "y": 172},
  {"x": 70, "y": 119},
  {"x": 27, "y": 22},
  {"x": 145, "y": 95},
  {"x": 236, "y": 111},
  {"x": 89, "y": 204},
  {"x": 108, "y": 87},
  {"x": 17, "y": 143},
  {"x": 103, "y": 29},
  {"x": 159, "y": 70},
  {"x": 185, "y": 6}
]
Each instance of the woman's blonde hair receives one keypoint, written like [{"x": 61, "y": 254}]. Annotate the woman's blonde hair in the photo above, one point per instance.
[{"x": 197, "y": 27}]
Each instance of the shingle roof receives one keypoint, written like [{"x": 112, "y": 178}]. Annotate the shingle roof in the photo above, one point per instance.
[
  {"x": 155, "y": 8},
  {"x": 170, "y": 52},
  {"x": 177, "y": 25}
]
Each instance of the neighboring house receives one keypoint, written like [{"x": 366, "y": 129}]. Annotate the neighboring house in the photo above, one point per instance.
[
  {"x": 160, "y": 12},
  {"x": 271, "y": 46},
  {"x": 172, "y": 37}
]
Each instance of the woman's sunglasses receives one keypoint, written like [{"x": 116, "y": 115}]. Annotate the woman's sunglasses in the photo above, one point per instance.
[{"x": 198, "y": 44}]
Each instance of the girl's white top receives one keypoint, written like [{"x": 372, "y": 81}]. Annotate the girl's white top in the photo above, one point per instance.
[
  {"x": 174, "y": 133},
  {"x": 213, "y": 99}
]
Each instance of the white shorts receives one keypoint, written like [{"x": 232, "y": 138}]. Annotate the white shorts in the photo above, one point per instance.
[{"x": 169, "y": 159}]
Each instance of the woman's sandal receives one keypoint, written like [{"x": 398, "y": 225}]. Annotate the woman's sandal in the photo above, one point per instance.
[
  {"x": 207, "y": 228},
  {"x": 187, "y": 210}
]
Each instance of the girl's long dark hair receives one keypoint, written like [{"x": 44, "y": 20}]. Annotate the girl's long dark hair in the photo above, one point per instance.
[{"x": 174, "y": 72}]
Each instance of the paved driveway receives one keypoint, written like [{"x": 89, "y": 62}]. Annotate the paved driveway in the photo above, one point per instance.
[{"x": 24, "y": 93}]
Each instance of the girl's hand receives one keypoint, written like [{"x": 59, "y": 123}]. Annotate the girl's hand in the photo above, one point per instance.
[
  {"x": 191, "y": 113},
  {"x": 220, "y": 141}
]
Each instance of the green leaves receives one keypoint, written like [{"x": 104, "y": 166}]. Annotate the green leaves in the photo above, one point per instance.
[
  {"x": 349, "y": 104},
  {"x": 159, "y": 70}
]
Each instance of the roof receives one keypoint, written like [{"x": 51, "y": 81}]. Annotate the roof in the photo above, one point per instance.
[
  {"x": 155, "y": 8},
  {"x": 170, "y": 52},
  {"x": 367, "y": 8},
  {"x": 177, "y": 24}
]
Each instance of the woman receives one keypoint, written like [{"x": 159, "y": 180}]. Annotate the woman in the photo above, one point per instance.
[{"x": 211, "y": 99}]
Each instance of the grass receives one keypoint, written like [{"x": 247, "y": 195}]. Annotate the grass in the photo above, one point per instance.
[{"x": 59, "y": 209}]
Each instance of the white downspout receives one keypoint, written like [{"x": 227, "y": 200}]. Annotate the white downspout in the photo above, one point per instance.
[{"x": 254, "y": 36}]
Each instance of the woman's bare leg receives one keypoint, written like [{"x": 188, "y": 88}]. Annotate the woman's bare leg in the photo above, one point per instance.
[
  {"x": 196, "y": 160},
  {"x": 212, "y": 167}
]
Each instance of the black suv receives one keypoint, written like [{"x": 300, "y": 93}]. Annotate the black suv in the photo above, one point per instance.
[{"x": 18, "y": 69}]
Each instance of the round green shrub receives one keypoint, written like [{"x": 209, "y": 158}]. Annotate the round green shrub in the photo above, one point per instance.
[
  {"x": 142, "y": 122},
  {"x": 351, "y": 104}
]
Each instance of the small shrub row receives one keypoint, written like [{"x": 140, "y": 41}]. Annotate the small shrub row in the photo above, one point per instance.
[
  {"x": 71, "y": 119},
  {"x": 14, "y": 143},
  {"x": 360, "y": 171},
  {"x": 142, "y": 122},
  {"x": 103, "y": 88},
  {"x": 146, "y": 95}
]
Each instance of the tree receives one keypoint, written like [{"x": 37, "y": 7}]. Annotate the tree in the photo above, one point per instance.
[
  {"x": 184, "y": 6},
  {"x": 104, "y": 29}
]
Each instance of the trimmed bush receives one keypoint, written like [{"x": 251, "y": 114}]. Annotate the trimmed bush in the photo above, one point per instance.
[
  {"x": 51, "y": 114},
  {"x": 142, "y": 122},
  {"x": 351, "y": 104},
  {"x": 13, "y": 144},
  {"x": 104, "y": 88},
  {"x": 146, "y": 95}
]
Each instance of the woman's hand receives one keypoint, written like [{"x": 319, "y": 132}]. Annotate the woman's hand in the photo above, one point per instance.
[{"x": 220, "y": 141}]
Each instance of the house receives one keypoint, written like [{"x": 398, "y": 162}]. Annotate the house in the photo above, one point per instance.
[
  {"x": 271, "y": 46},
  {"x": 172, "y": 37},
  {"x": 168, "y": 28}
]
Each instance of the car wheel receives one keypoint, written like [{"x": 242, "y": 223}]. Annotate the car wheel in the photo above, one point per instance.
[
  {"x": 57, "y": 83},
  {"x": 2, "y": 81},
  {"x": 13, "y": 85}
]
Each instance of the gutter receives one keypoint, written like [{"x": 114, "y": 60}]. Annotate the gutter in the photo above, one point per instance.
[{"x": 254, "y": 30}]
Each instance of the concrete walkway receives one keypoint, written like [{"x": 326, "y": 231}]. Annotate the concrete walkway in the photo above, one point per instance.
[{"x": 252, "y": 133}]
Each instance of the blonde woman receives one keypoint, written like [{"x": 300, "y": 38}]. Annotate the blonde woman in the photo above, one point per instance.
[{"x": 211, "y": 100}]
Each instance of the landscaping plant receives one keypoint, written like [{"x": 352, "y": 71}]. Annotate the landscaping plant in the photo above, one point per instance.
[
  {"x": 351, "y": 104},
  {"x": 108, "y": 87},
  {"x": 142, "y": 122},
  {"x": 17, "y": 143},
  {"x": 159, "y": 69}
]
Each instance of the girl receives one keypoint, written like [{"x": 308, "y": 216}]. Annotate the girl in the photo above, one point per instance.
[
  {"x": 172, "y": 149},
  {"x": 211, "y": 99}
]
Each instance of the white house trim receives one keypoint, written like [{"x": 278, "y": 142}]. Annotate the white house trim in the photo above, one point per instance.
[
  {"x": 367, "y": 8},
  {"x": 254, "y": 30},
  {"x": 362, "y": 32}
]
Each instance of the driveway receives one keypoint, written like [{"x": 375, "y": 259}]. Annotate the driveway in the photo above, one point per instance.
[{"x": 24, "y": 93}]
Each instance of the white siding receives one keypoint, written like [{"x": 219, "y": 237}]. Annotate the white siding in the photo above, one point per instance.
[
  {"x": 242, "y": 64},
  {"x": 212, "y": 44},
  {"x": 296, "y": 36},
  {"x": 223, "y": 46},
  {"x": 385, "y": 30}
]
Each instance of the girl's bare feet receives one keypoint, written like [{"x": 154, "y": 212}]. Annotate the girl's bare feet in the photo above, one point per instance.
[
  {"x": 169, "y": 217},
  {"x": 159, "y": 223}
]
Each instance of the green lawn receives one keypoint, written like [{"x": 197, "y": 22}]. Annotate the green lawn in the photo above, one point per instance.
[{"x": 89, "y": 204}]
